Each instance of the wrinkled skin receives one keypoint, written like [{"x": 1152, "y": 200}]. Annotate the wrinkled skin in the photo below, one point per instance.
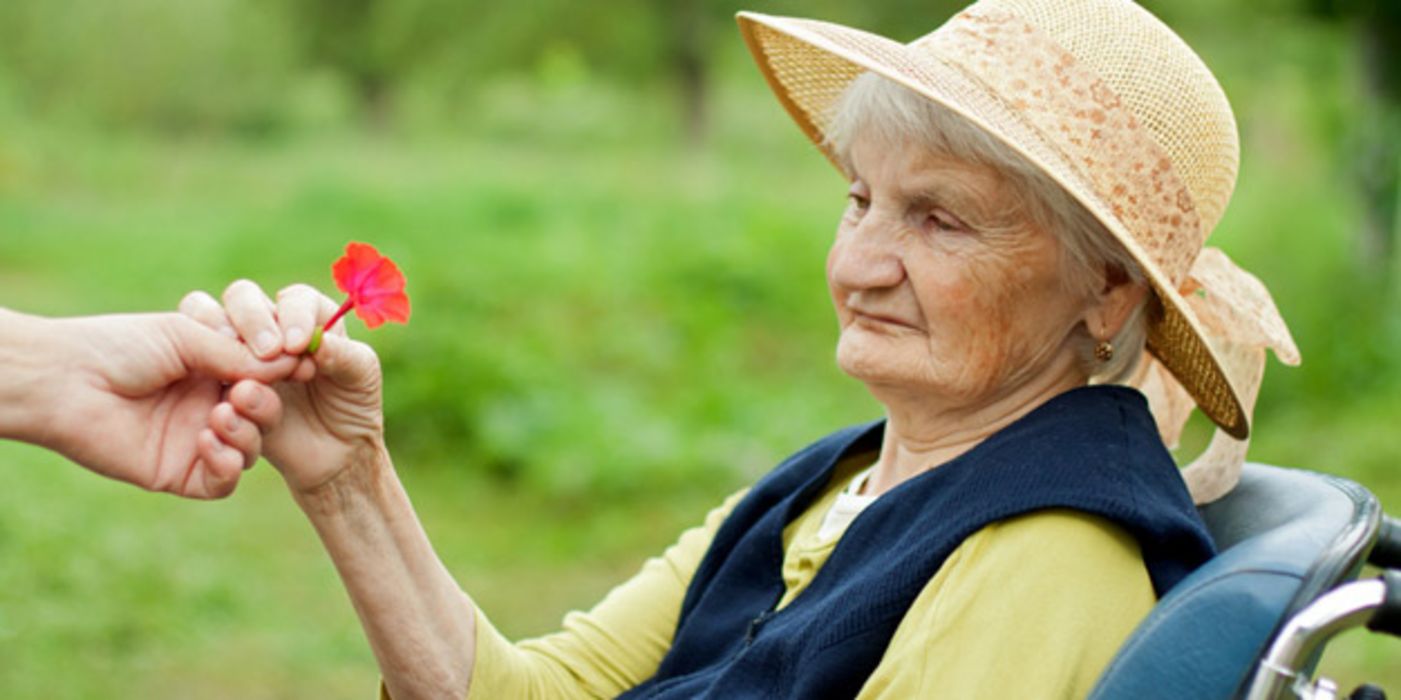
[
  {"x": 939, "y": 283},
  {"x": 951, "y": 303}
]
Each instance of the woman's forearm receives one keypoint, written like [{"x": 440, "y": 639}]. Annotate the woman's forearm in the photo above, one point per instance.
[{"x": 420, "y": 624}]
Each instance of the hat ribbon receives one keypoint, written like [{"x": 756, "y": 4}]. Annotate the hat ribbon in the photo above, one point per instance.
[{"x": 1240, "y": 321}]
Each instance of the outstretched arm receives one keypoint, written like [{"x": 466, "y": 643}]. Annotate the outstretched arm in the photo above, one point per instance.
[{"x": 128, "y": 396}]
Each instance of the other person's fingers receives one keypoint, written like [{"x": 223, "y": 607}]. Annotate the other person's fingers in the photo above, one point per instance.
[
  {"x": 216, "y": 469},
  {"x": 237, "y": 432},
  {"x": 211, "y": 353},
  {"x": 256, "y": 403},
  {"x": 254, "y": 317},
  {"x": 202, "y": 307}
]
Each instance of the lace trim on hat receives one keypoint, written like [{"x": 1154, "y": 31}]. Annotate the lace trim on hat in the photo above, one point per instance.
[{"x": 1241, "y": 322}]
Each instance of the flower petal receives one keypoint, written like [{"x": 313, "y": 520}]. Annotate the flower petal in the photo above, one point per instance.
[
  {"x": 360, "y": 262},
  {"x": 377, "y": 310},
  {"x": 374, "y": 283}
]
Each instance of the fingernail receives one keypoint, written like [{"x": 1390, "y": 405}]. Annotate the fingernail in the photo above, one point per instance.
[
  {"x": 232, "y": 423},
  {"x": 294, "y": 337},
  {"x": 265, "y": 342}
]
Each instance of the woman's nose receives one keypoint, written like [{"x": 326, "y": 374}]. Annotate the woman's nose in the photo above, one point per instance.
[{"x": 866, "y": 257}]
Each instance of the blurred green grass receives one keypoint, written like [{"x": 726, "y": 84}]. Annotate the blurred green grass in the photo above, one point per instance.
[{"x": 612, "y": 330}]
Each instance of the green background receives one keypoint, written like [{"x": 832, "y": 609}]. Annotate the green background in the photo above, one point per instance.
[{"x": 620, "y": 314}]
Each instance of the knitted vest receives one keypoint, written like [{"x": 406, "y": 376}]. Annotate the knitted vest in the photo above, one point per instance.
[{"x": 1093, "y": 449}]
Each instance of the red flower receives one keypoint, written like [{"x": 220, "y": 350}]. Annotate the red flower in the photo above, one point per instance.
[{"x": 375, "y": 286}]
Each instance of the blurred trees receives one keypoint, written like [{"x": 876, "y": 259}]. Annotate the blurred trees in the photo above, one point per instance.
[
  {"x": 248, "y": 65},
  {"x": 254, "y": 67},
  {"x": 154, "y": 64},
  {"x": 1377, "y": 156},
  {"x": 258, "y": 67},
  {"x": 357, "y": 39},
  {"x": 220, "y": 63}
]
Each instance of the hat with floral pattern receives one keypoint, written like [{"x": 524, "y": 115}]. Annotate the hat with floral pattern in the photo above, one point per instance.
[{"x": 1116, "y": 109}]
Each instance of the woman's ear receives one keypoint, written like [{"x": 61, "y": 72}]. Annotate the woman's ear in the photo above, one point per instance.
[{"x": 1111, "y": 308}]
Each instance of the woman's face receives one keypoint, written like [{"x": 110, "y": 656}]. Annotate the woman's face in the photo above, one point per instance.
[{"x": 941, "y": 285}]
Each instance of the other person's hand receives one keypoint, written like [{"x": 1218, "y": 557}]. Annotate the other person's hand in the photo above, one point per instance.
[{"x": 130, "y": 397}]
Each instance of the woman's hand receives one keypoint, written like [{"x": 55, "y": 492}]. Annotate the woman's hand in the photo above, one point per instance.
[
  {"x": 329, "y": 447},
  {"x": 329, "y": 412}
]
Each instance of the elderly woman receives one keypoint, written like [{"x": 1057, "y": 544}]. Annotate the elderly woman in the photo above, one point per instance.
[{"x": 1030, "y": 188}]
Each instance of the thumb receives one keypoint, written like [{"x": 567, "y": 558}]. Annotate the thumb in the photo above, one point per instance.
[
  {"x": 211, "y": 353},
  {"x": 346, "y": 362}
]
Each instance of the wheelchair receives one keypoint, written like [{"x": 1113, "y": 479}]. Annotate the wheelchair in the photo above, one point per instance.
[{"x": 1252, "y": 623}]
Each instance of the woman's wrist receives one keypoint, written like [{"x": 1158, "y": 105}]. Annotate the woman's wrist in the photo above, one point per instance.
[
  {"x": 420, "y": 625},
  {"x": 362, "y": 473}
]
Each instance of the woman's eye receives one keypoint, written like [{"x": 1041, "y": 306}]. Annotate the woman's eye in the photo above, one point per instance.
[
  {"x": 858, "y": 202},
  {"x": 944, "y": 221}
]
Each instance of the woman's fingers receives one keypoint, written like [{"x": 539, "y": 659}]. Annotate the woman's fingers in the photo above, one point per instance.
[
  {"x": 201, "y": 307},
  {"x": 305, "y": 370},
  {"x": 301, "y": 309},
  {"x": 254, "y": 317},
  {"x": 256, "y": 404},
  {"x": 347, "y": 362},
  {"x": 247, "y": 314}
]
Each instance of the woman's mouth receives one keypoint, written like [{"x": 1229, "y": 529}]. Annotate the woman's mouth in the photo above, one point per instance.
[{"x": 878, "y": 319}]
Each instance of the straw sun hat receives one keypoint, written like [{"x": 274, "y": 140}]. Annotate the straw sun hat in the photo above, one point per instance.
[{"x": 1110, "y": 104}]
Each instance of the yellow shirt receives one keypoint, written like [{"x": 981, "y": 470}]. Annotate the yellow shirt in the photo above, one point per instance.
[{"x": 1031, "y": 607}]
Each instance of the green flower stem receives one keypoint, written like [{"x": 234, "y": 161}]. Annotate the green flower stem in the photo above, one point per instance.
[{"x": 317, "y": 334}]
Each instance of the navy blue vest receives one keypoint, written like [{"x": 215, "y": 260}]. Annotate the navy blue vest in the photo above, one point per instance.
[{"x": 1093, "y": 449}]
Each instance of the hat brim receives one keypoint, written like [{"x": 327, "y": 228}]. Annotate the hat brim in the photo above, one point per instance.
[{"x": 809, "y": 63}]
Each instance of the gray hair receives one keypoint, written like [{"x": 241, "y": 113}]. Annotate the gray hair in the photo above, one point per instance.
[{"x": 873, "y": 105}]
